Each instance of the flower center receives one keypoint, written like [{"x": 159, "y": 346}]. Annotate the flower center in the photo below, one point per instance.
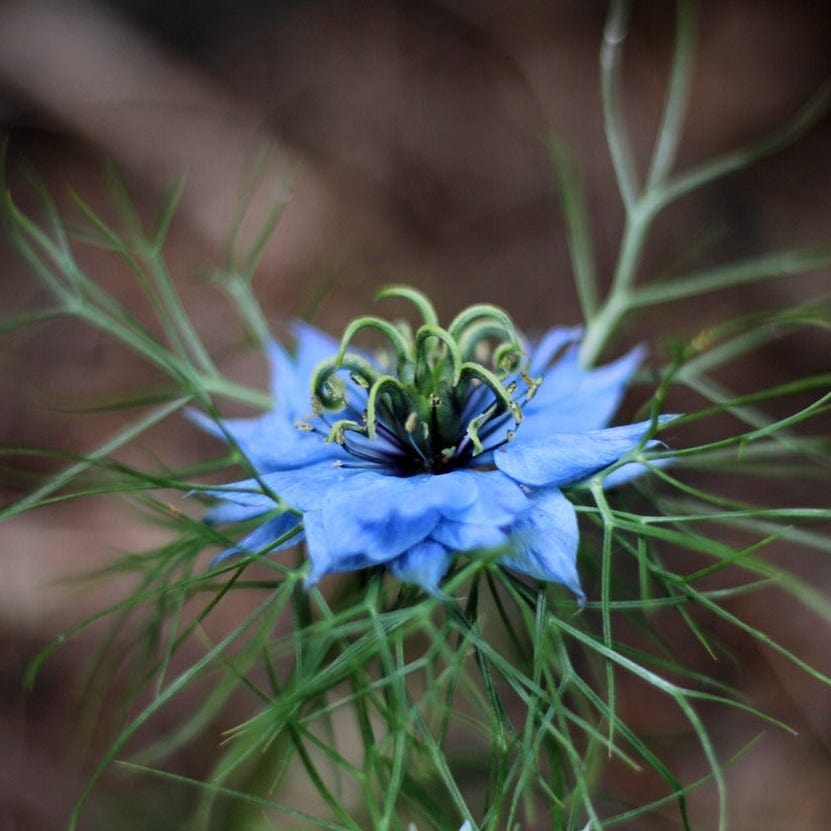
[{"x": 438, "y": 399}]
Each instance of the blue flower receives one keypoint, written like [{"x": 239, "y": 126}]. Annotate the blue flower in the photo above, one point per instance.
[{"x": 456, "y": 439}]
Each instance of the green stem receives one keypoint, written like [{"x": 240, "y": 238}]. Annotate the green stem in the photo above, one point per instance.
[
  {"x": 675, "y": 107},
  {"x": 611, "y": 59},
  {"x": 618, "y": 301},
  {"x": 641, "y": 206},
  {"x": 578, "y": 228}
]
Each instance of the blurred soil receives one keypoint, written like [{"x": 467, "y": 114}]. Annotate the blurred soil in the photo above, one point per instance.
[{"x": 413, "y": 134}]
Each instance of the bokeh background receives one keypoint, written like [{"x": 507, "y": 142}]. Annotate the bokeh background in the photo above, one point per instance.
[{"x": 411, "y": 139}]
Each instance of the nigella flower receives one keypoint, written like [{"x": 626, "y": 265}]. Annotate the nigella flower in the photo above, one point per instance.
[{"x": 456, "y": 440}]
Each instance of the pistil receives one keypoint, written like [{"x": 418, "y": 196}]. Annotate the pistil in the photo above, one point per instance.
[{"x": 443, "y": 402}]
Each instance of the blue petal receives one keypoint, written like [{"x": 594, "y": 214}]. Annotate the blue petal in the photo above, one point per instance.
[
  {"x": 464, "y": 536},
  {"x": 564, "y": 458},
  {"x": 379, "y": 516},
  {"x": 316, "y": 546},
  {"x": 573, "y": 399},
  {"x": 492, "y": 498},
  {"x": 274, "y": 444},
  {"x": 548, "y": 346},
  {"x": 304, "y": 488},
  {"x": 357, "y": 518},
  {"x": 244, "y": 500},
  {"x": 545, "y": 542},
  {"x": 226, "y": 512},
  {"x": 322, "y": 561},
  {"x": 260, "y": 538},
  {"x": 313, "y": 346},
  {"x": 363, "y": 517},
  {"x": 271, "y": 442},
  {"x": 290, "y": 374},
  {"x": 283, "y": 374},
  {"x": 423, "y": 564}
]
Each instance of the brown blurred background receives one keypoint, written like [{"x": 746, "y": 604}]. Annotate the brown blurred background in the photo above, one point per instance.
[{"x": 412, "y": 134}]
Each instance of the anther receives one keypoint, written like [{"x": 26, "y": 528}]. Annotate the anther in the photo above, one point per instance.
[{"x": 532, "y": 384}]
